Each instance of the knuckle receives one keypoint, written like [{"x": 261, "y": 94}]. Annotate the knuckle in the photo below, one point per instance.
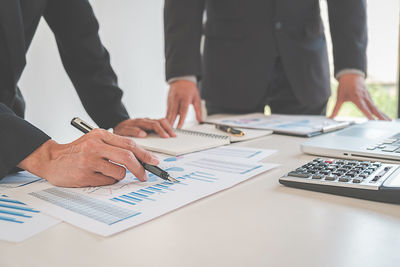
[
  {"x": 128, "y": 156},
  {"x": 130, "y": 144},
  {"x": 147, "y": 156},
  {"x": 121, "y": 173}
]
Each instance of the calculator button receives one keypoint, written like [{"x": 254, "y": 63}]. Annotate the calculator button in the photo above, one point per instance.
[
  {"x": 344, "y": 179},
  {"x": 390, "y": 148},
  {"x": 376, "y": 178},
  {"x": 331, "y": 178},
  {"x": 357, "y": 180},
  {"x": 389, "y": 141},
  {"x": 318, "y": 176},
  {"x": 300, "y": 175}
]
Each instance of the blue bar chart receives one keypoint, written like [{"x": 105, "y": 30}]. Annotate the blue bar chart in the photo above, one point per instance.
[
  {"x": 148, "y": 193},
  {"x": 95, "y": 209},
  {"x": 14, "y": 211}
]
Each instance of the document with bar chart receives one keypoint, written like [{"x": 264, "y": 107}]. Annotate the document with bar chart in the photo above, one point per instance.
[
  {"x": 107, "y": 210},
  {"x": 19, "y": 221}
]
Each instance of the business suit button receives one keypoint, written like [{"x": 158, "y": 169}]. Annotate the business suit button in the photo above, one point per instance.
[{"x": 278, "y": 25}]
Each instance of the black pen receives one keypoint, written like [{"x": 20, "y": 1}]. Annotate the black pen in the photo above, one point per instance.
[
  {"x": 85, "y": 128},
  {"x": 229, "y": 129}
]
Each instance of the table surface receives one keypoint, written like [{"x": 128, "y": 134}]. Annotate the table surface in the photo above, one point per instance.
[{"x": 256, "y": 223}]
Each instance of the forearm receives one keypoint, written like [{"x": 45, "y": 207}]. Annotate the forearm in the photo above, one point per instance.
[
  {"x": 183, "y": 23},
  {"x": 86, "y": 60},
  {"x": 349, "y": 34},
  {"x": 18, "y": 139}
]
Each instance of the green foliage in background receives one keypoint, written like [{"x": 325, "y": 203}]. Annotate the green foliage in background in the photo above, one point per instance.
[{"x": 384, "y": 97}]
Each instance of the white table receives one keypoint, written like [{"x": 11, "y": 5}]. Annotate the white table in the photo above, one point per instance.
[{"x": 257, "y": 223}]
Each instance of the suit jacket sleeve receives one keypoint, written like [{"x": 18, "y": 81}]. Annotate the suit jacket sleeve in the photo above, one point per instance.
[
  {"x": 347, "y": 20},
  {"x": 183, "y": 23},
  {"x": 86, "y": 60},
  {"x": 18, "y": 139}
]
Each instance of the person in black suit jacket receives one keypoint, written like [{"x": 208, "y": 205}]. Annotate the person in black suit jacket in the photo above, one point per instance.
[
  {"x": 84, "y": 162},
  {"x": 259, "y": 52}
]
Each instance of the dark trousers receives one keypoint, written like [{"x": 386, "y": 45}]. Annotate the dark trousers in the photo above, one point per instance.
[{"x": 278, "y": 95}]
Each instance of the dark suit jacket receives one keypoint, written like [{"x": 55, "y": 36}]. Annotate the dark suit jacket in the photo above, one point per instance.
[
  {"x": 83, "y": 55},
  {"x": 243, "y": 38}
]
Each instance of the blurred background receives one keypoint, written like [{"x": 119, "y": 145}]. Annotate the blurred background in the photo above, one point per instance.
[{"x": 132, "y": 31}]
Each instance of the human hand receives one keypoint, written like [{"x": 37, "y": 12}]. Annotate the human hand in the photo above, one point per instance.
[
  {"x": 352, "y": 88},
  {"x": 181, "y": 94},
  {"x": 88, "y": 160},
  {"x": 138, "y": 127}
]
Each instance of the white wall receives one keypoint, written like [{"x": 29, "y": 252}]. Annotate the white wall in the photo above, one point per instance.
[{"x": 132, "y": 32}]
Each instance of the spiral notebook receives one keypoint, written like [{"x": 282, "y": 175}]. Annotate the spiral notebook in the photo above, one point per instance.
[{"x": 186, "y": 141}]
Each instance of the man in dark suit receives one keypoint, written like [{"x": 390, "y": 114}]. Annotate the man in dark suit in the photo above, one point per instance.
[
  {"x": 86, "y": 161},
  {"x": 259, "y": 52}
]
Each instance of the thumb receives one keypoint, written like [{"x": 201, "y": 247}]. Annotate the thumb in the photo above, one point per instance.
[{"x": 136, "y": 132}]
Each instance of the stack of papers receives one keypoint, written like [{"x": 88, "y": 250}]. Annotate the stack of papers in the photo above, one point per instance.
[
  {"x": 107, "y": 210},
  {"x": 302, "y": 125}
]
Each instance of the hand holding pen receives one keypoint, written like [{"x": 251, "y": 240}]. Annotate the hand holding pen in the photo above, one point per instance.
[
  {"x": 87, "y": 160},
  {"x": 145, "y": 162}
]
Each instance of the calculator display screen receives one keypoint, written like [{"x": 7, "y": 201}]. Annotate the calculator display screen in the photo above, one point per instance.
[{"x": 393, "y": 180}]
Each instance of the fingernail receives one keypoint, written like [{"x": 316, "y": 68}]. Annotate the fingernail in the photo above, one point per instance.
[
  {"x": 154, "y": 159},
  {"x": 142, "y": 134},
  {"x": 146, "y": 176}
]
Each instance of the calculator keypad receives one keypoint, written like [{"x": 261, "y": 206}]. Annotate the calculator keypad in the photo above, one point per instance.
[{"x": 351, "y": 173}]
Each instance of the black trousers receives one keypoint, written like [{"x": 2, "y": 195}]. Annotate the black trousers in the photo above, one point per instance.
[{"x": 279, "y": 96}]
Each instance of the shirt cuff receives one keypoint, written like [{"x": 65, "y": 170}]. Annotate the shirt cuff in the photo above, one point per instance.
[
  {"x": 190, "y": 78},
  {"x": 349, "y": 71}
]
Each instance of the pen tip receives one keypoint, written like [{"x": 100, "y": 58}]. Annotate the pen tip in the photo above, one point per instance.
[{"x": 171, "y": 179}]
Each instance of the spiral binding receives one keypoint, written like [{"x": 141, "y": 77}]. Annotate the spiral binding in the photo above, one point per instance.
[{"x": 201, "y": 134}]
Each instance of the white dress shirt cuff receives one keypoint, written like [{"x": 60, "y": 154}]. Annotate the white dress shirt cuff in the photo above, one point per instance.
[
  {"x": 349, "y": 71},
  {"x": 190, "y": 78}
]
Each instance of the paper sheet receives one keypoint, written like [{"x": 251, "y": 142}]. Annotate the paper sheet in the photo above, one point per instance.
[
  {"x": 19, "y": 222},
  {"x": 18, "y": 179},
  {"x": 305, "y": 125},
  {"x": 110, "y": 209},
  {"x": 249, "y": 133}
]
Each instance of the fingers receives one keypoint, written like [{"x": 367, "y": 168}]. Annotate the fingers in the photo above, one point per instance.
[
  {"x": 197, "y": 109},
  {"x": 126, "y": 158},
  {"x": 167, "y": 126},
  {"x": 364, "y": 109},
  {"x": 183, "y": 108},
  {"x": 153, "y": 125},
  {"x": 172, "y": 111},
  {"x": 132, "y": 131},
  {"x": 336, "y": 110},
  {"x": 375, "y": 111},
  {"x": 109, "y": 169},
  {"x": 98, "y": 179},
  {"x": 128, "y": 144}
]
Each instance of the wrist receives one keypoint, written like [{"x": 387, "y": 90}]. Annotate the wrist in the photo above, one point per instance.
[
  {"x": 182, "y": 82},
  {"x": 39, "y": 160}
]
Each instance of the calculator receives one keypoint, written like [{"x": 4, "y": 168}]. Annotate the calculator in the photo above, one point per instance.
[{"x": 372, "y": 180}]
